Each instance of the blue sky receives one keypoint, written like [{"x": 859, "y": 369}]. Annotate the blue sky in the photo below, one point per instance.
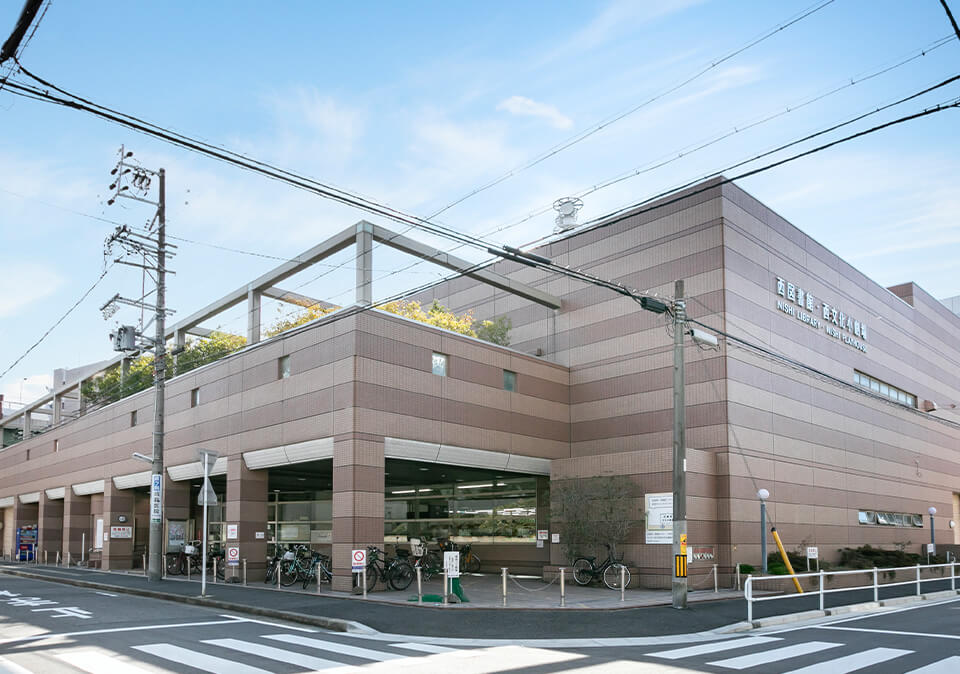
[{"x": 418, "y": 104}]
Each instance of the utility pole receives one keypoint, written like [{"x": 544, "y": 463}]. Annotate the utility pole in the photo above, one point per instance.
[
  {"x": 152, "y": 247},
  {"x": 679, "y": 453}
]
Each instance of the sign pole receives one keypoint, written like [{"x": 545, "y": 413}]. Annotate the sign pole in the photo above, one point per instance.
[{"x": 203, "y": 543}]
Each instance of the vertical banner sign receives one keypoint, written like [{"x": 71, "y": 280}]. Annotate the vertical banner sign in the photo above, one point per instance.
[
  {"x": 156, "y": 498},
  {"x": 659, "y": 520}
]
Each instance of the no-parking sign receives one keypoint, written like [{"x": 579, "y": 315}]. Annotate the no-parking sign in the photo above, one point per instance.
[
  {"x": 233, "y": 555},
  {"x": 359, "y": 558}
]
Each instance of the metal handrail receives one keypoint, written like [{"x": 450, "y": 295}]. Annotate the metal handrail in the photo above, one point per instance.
[{"x": 875, "y": 585}]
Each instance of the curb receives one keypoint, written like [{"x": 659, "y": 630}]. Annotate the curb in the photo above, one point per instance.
[{"x": 333, "y": 624}]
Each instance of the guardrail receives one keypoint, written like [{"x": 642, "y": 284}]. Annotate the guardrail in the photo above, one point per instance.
[{"x": 822, "y": 592}]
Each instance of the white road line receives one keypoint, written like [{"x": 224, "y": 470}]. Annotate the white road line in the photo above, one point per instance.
[
  {"x": 423, "y": 648},
  {"x": 197, "y": 660},
  {"x": 775, "y": 655},
  {"x": 333, "y": 647},
  {"x": 898, "y": 632},
  {"x": 270, "y": 624},
  {"x": 106, "y": 594},
  {"x": 8, "y": 667},
  {"x": 271, "y": 653},
  {"x": 714, "y": 647},
  {"x": 949, "y": 665},
  {"x": 95, "y": 662},
  {"x": 60, "y": 635},
  {"x": 851, "y": 663}
]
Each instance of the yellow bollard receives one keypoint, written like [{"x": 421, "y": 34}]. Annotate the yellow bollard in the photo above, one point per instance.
[{"x": 786, "y": 560}]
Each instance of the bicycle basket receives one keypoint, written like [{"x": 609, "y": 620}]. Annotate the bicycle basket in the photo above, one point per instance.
[
  {"x": 189, "y": 549},
  {"x": 417, "y": 548},
  {"x": 288, "y": 555}
]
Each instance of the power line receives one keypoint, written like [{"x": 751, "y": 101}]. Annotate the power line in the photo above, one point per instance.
[
  {"x": 59, "y": 321},
  {"x": 599, "y": 126},
  {"x": 953, "y": 22}
]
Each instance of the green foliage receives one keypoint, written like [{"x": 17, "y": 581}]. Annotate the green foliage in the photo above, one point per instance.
[
  {"x": 115, "y": 384},
  {"x": 496, "y": 331},
  {"x": 305, "y": 316},
  {"x": 867, "y": 557},
  {"x": 747, "y": 568},
  {"x": 590, "y": 512}
]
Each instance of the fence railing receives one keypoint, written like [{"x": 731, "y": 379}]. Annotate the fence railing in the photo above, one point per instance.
[{"x": 748, "y": 586}]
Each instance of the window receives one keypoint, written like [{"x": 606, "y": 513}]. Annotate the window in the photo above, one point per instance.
[
  {"x": 889, "y": 519},
  {"x": 440, "y": 364},
  {"x": 56, "y": 445},
  {"x": 509, "y": 380},
  {"x": 884, "y": 389},
  {"x": 133, "y": 418},
  {"x": 867, "y": 517},
  {"x": 194, "y": 397},
  {"x": 283, "y": 367}
]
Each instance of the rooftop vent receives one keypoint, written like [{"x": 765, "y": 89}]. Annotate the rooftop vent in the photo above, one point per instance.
[{"x": 566, "y": 209}]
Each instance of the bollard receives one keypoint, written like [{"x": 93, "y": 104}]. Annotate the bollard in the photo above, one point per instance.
[
  {"x": 144, "y": 564},
  {"x": 562, "y": 589},
  {"x": 918, "y": 580},
  {"x": 244, "y": 571},
  {"x": 188, "y": 568},
  {"x": 716, "y": 585},
  {"x": 623, "y": 581},
  {"x": 364, "y": 578},
  {"x": 419, "y": 586},
  {"x": 444, "y": 585},
  {"x": 738, "y": 576},
  {"x": 953, "y": 576},
  {"x": 504, "y": 574},
  {"x": 821, "y": 590},
  {"x": 279, "y": 561},
  {"x": 68, "y": 559},
  {"x": 214, "y": 570},
  {"x": 59, "y": 559},
  {"x": 876, "y": 586},
  {"x": 44, "y": 557},
  {"x": 83, "y": 546}
]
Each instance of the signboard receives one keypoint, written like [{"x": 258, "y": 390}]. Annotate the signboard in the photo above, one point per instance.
[
  {"x": 813, "y": 553},
  {"x": 931, "y": 548},
  {"x": 683, "y": 544},
  {"x": 539, "y": 543},
  {"x": 233, "y": 532},
  {"x": 98, "y": 534},
  {"x": 233, "y": 555},
  {"x": 259, "y": 535},
  {"x": 542, "y": 534},
  {"x": 451, "y": 564},
  {"x": 554, "y": 538},
  {"x": 835, "y": 323},
  {"x": 211, "y": 495},
  {"x": 121, "y": 532},
  {"x": 659, "y": 517},
  {"x": 359, "y": 558},
  {"x": 156, "y": 498},
  {"x": 703, "y": 554}
]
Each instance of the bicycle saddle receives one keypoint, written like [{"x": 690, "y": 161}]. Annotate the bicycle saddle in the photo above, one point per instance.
[{"x": 591, "y": 559}]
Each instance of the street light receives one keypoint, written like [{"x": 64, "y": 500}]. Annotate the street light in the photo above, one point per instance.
[
  {"x": 933, "y": 536},
  {"x": 763, "y": 495}
]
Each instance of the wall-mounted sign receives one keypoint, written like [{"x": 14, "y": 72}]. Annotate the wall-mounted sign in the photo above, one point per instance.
[
  {"x": 259, "y": 535},
  {"x": 797, "y": 302},
  {"x": 542, "y": 534},
  {"x": 233, "y": 555},
  {"x": 554, "y": 538},
  {"x": 659, "y": 518},
  {"x": 121, "y": 518},
  {"x": 702, "y": 554},
  {"x": 813, "y": 553},
  {"x": 233, "y": 532},
  {"x": 121, "y": 532}
]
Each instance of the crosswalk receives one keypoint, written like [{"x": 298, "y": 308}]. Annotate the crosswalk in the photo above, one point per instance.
[
  {"x": 770, "y": 654},
  {"x": 247, "y": 656}
]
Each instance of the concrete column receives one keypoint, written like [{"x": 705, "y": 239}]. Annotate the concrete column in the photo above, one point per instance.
[
  {"x": 357, "y": 503},
  {"x": 364, "y": 263},
  {"x": 253, "y": 316},
  {"x": 179, "y": 342},
  {"x": 50, "y": 519},
  {"x": 57, "y": 409},
  {"x": 247, "y": 507},
  {"x": 117, "y": 503},
  {"x": 27, "y": 425},
  {"x": 76, "y": 522}
]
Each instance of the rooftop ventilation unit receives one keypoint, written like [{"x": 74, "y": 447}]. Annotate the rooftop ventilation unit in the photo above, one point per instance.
[{"x": 566, "y": 209}]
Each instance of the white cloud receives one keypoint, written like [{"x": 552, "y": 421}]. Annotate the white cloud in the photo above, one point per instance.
[
  {"x": 26, "y": 389},
  {"x": 29, "y": 282},
  {"x": 526, "y": 107},
  {"x": 624, "y": 16}
]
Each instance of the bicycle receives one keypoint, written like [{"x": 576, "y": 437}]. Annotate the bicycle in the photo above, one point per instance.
[
  {"x": 293, "y": 566},
  {"x": 585, "y": 571},
  {"x": 320, "y": 570},
  {"x": 178, "y": 562},
  {"x": 428, "y": 561},
  {"x": 469, "y": 561},
  {"x": 395, "y": 572}
]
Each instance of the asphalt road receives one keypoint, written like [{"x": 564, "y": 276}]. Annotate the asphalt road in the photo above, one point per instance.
[{"x": 49, "y": 627}]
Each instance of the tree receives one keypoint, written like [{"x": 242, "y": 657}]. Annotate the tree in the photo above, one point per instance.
[
  {"x": 437, "y": 315},
  {"x": 115, "y": 384},
  {"x": 590, "y": 512},
  {"x": 495, "y": 331},
  {"x": 311, "y": 313}
]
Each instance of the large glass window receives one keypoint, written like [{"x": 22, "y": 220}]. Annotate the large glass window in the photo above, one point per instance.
[
  {"x": 301, "y": 517},
  {"x": 884, "y": 389},
  {"x": 499, "y": 510}
]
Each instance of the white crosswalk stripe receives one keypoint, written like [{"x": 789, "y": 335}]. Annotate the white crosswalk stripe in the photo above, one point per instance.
[
  {"x": 777, "y": 654},
  {"x": 423, "y": 648},
  {"x": 198, "y": 660},
  {"x": 334, "y": 647},
  {"x": 851, "y": 663},
  {"x": 271, "y": 653},
  {"x": 95, "y": 662},
  {"x": 949, "y": 665},
  {"x": 714, "y": 647}
]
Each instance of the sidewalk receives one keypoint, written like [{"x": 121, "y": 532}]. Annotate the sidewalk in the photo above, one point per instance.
[{"x": 533, "y": 608}]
